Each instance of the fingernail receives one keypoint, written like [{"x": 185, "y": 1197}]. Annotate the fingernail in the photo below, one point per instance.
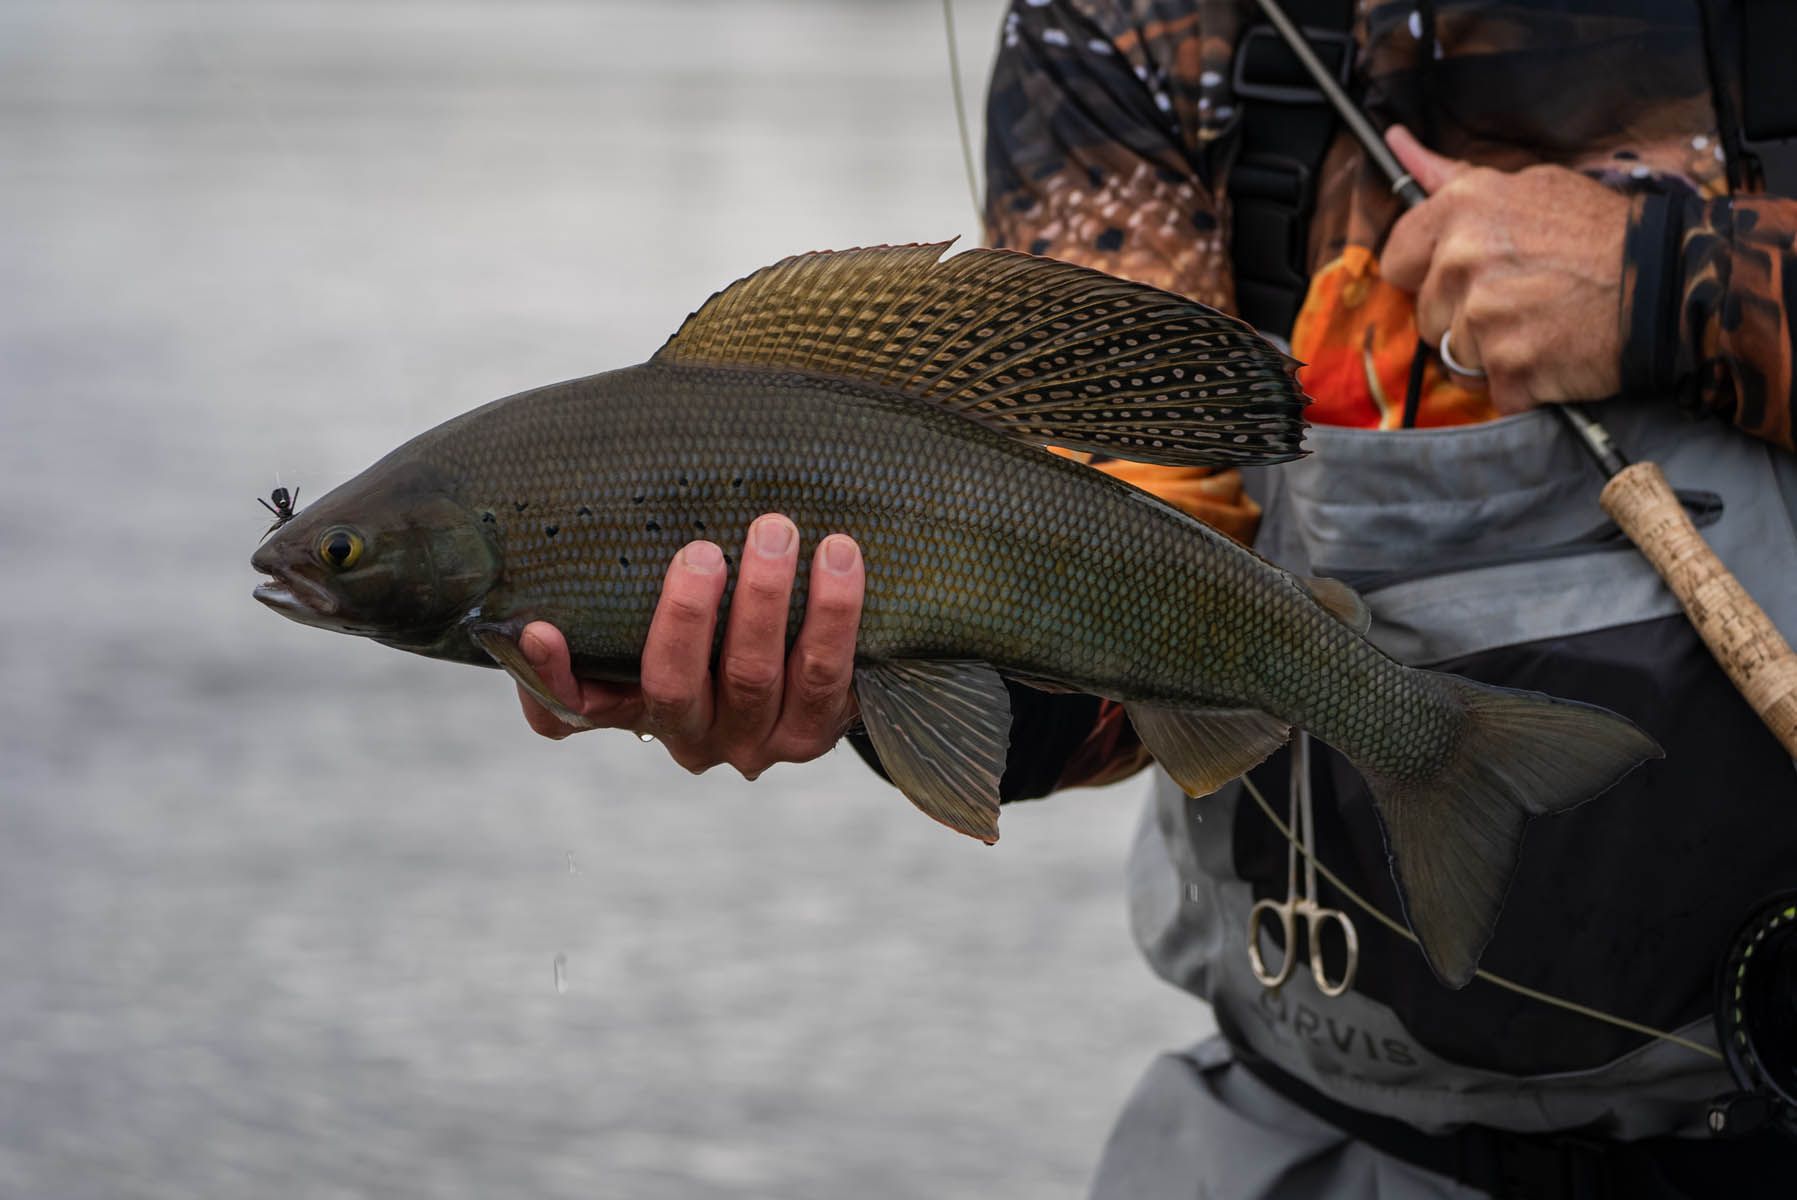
[
  {"x": 840, "y": 554},
  {"x": 774, "y": 536},
  {"x": 703, "y": 557}
]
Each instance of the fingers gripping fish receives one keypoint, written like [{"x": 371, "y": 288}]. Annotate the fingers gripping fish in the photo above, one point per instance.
[{"x": 904, "y": 399}]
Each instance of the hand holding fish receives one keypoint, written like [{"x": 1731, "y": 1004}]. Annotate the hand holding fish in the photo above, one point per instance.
[
  {"x": 765, "y": 705},
  {"x": 1520, "y": 271}
]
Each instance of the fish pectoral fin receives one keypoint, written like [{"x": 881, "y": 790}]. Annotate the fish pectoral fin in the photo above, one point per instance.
[
  {"x": 942, "y": 730},
  {"x": 1339, "y": 601},
  {"x": 1035, "y": 348},
  {"x": 501, "y": 644},
  {"x": 1204, "y": 748}
]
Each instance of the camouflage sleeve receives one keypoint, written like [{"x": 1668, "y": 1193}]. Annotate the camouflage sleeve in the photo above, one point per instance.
[
  {"x": 1709, "y": 287},
  {"x": 1102, "y": 122}
]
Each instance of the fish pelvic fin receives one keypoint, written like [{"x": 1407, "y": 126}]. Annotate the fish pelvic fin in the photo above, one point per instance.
[
  {"x": 942, "y": 731},
  {"x": 1454, "y": 836},
  {"x": 1043, "y": 350},
  {"x": 1204, "y": 748}
]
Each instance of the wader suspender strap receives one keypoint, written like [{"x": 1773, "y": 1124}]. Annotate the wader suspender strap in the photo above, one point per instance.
[
  {"x": 1287, "y": 126},
  {"x": 1748, "y": 45}
]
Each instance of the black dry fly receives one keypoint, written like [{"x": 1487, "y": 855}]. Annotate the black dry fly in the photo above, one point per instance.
[{"x": 280, "y": 502}]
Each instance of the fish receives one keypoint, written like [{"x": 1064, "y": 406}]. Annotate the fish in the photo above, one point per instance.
[{"x": 906, "y": 398}]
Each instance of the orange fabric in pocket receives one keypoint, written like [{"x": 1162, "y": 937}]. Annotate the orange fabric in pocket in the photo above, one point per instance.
[{"x": 1356, "y": 335}]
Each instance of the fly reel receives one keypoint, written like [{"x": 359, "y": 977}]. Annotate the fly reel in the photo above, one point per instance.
[{"x": 1756, "y": 1022}]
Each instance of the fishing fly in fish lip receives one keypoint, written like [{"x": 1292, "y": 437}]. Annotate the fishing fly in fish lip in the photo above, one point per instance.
[{"x": 281, "y": 503}]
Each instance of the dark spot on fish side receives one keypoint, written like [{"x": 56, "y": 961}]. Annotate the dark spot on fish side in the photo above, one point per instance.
[
  {"x": 551, "y": 530},
  {"x": 737, "y": 482},
  {"x": 584, "y": 511},
  {"x": 652, "y": 527},
  {"x": 637, "y": 499},
  {"x": 683, "y": 481},
  {"x": 488, "y": 517},
  {"x": 698, "y": 524},
  {"x": 622, "y": 561},
  {"x": 520, "y": 505}
]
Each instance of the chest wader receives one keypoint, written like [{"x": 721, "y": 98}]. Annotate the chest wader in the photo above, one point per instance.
[{"x": 1482, "y": 550}]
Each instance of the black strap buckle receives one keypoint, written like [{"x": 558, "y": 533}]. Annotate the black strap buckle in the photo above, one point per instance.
[{"x": 1266, "y": 68}]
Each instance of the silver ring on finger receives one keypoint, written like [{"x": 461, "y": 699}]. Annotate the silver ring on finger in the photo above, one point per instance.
[{"x": 1451, "y": 363}]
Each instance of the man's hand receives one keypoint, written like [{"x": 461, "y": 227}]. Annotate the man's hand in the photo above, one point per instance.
[
  {"x": 1525, "y": 268},
  {"x": 764, "y": 705}
]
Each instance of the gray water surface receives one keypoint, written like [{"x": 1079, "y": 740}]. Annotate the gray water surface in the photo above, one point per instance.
[{"x": 281, "y": 912}]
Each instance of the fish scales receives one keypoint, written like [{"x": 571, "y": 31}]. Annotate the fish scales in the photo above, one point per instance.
[
  {"x": 905, "y": 401},
  {"x": 981, "y": 547}
]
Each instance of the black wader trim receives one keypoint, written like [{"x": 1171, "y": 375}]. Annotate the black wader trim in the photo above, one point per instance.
[{"x": 1557, "y": 1166}]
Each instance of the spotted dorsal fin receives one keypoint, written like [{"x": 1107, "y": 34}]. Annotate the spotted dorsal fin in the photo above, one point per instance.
[{"x": 1043, "y": 350}]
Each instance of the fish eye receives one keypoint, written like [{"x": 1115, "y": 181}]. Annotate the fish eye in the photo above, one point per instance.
[{"x": 340, "y": 548}]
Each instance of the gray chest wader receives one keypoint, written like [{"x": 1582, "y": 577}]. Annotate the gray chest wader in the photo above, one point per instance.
[{"x": 1482, "y": 550}]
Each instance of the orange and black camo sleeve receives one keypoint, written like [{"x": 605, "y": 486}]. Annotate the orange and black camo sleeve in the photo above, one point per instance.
[{"x": 1709, "y": 289}]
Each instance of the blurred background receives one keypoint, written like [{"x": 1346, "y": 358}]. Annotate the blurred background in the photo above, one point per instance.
[{"x": 281, "y": 911}]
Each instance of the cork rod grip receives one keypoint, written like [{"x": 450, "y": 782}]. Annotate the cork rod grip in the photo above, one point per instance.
[{"x": 1737, "y": 631}]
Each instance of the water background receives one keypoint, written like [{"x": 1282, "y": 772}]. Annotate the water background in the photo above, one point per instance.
[{"x": 284, "y": 913}]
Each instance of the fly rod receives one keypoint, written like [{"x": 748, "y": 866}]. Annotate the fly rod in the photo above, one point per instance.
[{"x": 1637, "y": 497}]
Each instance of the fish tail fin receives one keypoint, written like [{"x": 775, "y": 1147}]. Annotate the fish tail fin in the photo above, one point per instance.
[{"x": 1454, "y": 835}]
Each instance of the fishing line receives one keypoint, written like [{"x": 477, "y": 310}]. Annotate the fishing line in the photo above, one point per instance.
[
  {"x": 954, "y": 77},
  {"x": 1520, "y": 989}
]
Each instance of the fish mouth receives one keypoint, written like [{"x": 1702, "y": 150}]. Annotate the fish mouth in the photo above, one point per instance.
[{"x": 298, "y": 600}]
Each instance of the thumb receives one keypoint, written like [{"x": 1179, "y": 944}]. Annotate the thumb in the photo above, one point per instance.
[
  {"x": 546, "y": 650},
  {"x": 1430, "y": 170}
]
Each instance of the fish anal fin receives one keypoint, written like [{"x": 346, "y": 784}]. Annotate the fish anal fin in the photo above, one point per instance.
[
  {"x": 1204, "y": 748},
  {"x": 1043, "y": 350},
  {"x": 501, "y": 644},
  {"x": 942, "y": 730},
  {"x": 1339, "y": 601}
]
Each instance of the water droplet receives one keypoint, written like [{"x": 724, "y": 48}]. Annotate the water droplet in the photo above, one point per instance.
[
  {"x": 561, "y": 974},
  {"x": 572, "y": 869},
  {"x": 645, "y": 737}
]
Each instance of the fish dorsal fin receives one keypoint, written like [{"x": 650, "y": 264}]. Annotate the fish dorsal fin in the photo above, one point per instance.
[
  {"x": 942, "y": 730},
  {"x": 1044, "y": 350},
  {"x": 1204, "y": 748},
  {"x": 1339, "y": 601}
]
